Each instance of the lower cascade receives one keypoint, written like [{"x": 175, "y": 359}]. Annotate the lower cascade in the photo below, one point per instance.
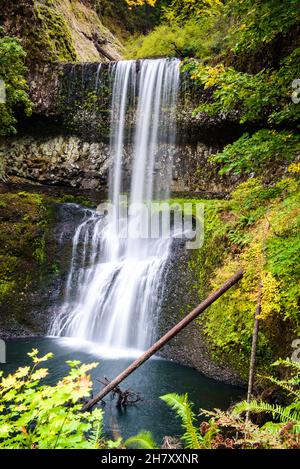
[{"x": 115, "y": 283}]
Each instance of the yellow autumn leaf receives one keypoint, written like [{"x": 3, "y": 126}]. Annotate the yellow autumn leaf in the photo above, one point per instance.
[
  {"x": 21, "y": 407},
  {"x": 294, "y": 168},
  {"x": 44, "y": 358},
  {"x": 141, "y": 2},
  {"x": 33, "y": 353},
  {"x": 39, "y": 374},
  {"x": 8, "y": 382},
  {"x": 22, "y": 372}
]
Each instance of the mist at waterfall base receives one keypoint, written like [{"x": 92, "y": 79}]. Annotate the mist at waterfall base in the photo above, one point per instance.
[{"x": 152, "y": 380}]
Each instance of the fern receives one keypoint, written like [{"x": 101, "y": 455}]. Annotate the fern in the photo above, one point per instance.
[
  {"x": 183, "y": 409},
  {"x": 117, "y": 444},
  {"x": 286, "y": 385},
  {"x": 283, "y": 414},
  {"x": 144, "y": 440},
  {"x": 288, "y": 363},
  {"x": 294, "y": 368},
  {"x": 95, "y": 435}
]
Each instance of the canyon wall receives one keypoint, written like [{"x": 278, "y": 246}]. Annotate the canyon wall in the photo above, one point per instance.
[{"x": 66, "y": 140}]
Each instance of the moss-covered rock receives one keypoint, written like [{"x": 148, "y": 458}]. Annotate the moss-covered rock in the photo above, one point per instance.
[
  {"x": 33, "y": 262},
  {"x": 25, "y": 220},
  {"x": 257, "y": 229},
  {"x": 262, "y": 230},
  {"x": 59, "y": 31}
]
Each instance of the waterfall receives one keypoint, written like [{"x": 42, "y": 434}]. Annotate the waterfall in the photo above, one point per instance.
[{"x": 115, "y": 283}]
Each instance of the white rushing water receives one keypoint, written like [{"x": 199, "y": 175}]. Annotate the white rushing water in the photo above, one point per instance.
[{"x": 115, "y": 283}]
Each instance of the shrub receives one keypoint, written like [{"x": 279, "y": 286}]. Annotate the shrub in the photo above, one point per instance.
[
  {"x": 250, "y": 153},
  {"x": 40, "y": 416},
  {"x": 12, "y": 72}
]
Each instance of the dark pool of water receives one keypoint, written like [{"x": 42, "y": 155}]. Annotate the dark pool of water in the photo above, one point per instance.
[{"x": 155, "y": 378}]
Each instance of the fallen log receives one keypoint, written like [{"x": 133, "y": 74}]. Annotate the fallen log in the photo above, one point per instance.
[{"x": 165, "y": 339}]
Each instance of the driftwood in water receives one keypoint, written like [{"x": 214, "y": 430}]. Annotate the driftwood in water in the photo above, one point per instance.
[
  {"x": 125, "y": 398},
  {"x": 165, "y": 339}
]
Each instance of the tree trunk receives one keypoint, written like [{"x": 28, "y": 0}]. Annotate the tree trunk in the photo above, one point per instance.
[
  {"x": 256, "y": 326},
  {"x": 254, "y": 347}
]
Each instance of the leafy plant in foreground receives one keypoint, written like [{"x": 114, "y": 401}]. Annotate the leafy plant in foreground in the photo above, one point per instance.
[
  {"x": 183, "y": 409},
  {"x": 39, "y": 416},
  {"x": 144, "y": 440}
]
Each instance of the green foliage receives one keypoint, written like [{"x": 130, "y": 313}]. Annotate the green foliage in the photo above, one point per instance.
[
  {"x": 265, "y": 95},
  {"x": 231, "y": 429},
  {"x": 261, "y": 22},
  {"x": 183, "y": 10},
  {"x": 183, "y": 409},
  {"x": 191, "y": 437},
  {"x": 220, "y": 34},
  {"x": 120, "y": 19},
  {"x": 143, "y": 440},
  {"x": 235, "y": 432},
  {"x": 251, "y": 153},
  {"x": 36, "y": 415},
  {"x": 141, "y": 2},
  {"x": 291, "y": 385},
  {"x": 188, "y": 29},
  {"x": 235, "y": 237},
  {"x": 239, "y": 25},
  {"x": 191, "y": 39},
  {"x": 12, "y": 72},
  {"x": 283, "y": 414}
]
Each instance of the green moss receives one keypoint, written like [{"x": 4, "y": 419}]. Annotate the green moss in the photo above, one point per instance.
[
  {"x": 55, "y": 269},
  {"x": 75, "y": 199},
  {"x": 45, "y": 32},
  {"x": 53, "y": 34},
  {"x": 205, "y": 260},
  {"x": 39, "y": 251},
  {"x": 24, "y": 223},
  {"x": 236, "y": 237},
  {"x": 8, "y": 265}
]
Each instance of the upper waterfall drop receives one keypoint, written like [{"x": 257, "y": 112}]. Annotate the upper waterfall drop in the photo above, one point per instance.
[{"x": 115, "y": 283}]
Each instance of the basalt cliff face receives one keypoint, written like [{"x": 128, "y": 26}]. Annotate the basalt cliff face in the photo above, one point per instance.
[{"x": 66, "y": 141}]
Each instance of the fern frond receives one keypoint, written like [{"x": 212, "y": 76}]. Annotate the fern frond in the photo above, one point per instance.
[
  {"x": 288, "y": 363},
  {"x": 283, "y": 414},
  {"x": 286, "y": 385},
  {"x": 144, "y": 440},
  {"x": 95, "y": 435},
  {"x": 183, "y": 409}
]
